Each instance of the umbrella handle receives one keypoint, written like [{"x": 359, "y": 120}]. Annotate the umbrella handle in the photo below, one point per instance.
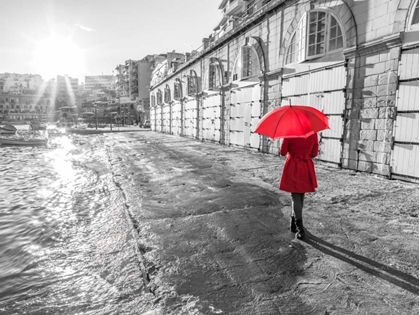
[{"x": 290, "y": 102}]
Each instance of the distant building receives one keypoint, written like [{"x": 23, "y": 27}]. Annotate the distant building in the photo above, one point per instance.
[
  {"x": 18, "y": 84},
  {"x": 67, "y": 92},
  {"x": 98, "y": 82},
  {"x": 132, "y": 81},
  {"x": 25, "y": 97}
]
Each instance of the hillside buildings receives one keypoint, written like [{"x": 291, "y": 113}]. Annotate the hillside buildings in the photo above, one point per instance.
[
  {"x": 25, "y": 97},
  {"x": 357, "y": 61}
]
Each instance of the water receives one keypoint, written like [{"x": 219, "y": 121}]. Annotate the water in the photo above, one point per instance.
[{"x": 65, "y": 245}]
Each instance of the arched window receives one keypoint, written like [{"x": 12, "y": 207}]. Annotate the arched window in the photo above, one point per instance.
[
  {"x": 414, "y": 21},
  {"x": 153, "y": 100},
  {"x": 167, "y": 96},
  {"x": 159, "y": 97},
  {"x": 192, "y": 87},
  {"x": 177, "y": 90},
  {"x": 317, "y": 34},
  {"x": 213, "y": 77},
  {"x": 247, "y": 65}
]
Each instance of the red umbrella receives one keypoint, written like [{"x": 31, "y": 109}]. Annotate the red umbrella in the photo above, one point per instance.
[{"x": 292, "y": 121}]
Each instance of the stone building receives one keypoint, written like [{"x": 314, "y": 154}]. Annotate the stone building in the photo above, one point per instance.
[
  {"x": 132, "y": 86},
  {"x": 357, "y": 61}
]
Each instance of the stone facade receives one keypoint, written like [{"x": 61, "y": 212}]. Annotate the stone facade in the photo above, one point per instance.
[{"x": 374, "y": 35}]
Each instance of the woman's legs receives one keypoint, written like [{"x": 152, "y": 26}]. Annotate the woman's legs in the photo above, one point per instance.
[{"x": 297, "y": 205}]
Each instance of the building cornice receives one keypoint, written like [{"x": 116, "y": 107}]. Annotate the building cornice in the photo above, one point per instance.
[
  {"x": 375, "y": 46},
  {"x": 271, "y": 7}
]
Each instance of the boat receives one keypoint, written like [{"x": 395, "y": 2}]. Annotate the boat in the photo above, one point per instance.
[
  {"x": 8, "y": 129},
  {"x": 38, "y": 126},
  {"x": 23, "y": 141}
]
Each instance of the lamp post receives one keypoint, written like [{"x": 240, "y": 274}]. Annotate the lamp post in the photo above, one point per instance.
[{"x": 96, "y": 117}]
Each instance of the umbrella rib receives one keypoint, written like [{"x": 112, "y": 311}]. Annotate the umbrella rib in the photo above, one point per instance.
[
  {"x": 298, "y": 118},
  {"x": 278, "y": 123}
]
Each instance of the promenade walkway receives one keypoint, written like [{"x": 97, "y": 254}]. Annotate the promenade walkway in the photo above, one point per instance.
[{"x": 213, "y": 236}]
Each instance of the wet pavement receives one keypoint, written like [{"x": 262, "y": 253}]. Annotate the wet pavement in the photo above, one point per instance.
[{"x": 211, "y": 231}]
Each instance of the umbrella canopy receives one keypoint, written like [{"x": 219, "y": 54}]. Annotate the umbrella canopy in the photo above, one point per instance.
[{"x": 292, "y": 121}]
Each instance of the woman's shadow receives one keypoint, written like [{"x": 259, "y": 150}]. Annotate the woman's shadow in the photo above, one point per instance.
[{"x": 396, "y": 277}]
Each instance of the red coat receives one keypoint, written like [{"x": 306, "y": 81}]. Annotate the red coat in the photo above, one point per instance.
[{"x": 298, "y": 174}]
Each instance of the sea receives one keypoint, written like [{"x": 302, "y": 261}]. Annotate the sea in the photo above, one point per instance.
[{"x": 65, "y": 246}]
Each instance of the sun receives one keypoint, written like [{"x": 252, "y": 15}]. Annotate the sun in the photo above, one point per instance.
[{"x": 58, "y": 55}]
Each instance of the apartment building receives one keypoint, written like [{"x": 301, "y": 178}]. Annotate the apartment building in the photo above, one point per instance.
[
  {"x": 24, "y": 97},
  {"x": 357, "y": 61},
  {"x": 132, "y": 86}
]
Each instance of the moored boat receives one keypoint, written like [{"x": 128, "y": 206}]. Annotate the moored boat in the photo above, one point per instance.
[
  {"x": 8, "y": 129},
  {"x": 23, "y": 141},
  {"x": 38, "y": 126}
]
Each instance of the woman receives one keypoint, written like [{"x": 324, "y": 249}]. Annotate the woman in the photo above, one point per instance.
[{"x": 298, "y": 176}]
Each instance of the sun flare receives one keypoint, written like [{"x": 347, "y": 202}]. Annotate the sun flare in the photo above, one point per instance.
[{"x": 57, "y": 55}]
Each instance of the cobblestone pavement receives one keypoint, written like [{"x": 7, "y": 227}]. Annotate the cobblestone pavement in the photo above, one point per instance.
[{"x": 212, "y": 232}]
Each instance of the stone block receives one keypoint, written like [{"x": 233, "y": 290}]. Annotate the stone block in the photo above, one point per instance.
[
  {"x": 387, "y": 112},
  {"x": 394, "y": 53},
  {"x": 369, "y": 102},
  {"x": 369, "y": 91},
  {"x": 391, "y": 65},
  {"x": 384, "y": 57},
  {"x": 370, "y": 36},
  {"x": 376, "y": 68},
  {"x": 360, "y": 9},
  {"x": 350, "y": 144},
  {"x": 383, "y": 158},
  {"x": 368, "y": 134},
  {"x": 371, "y": 60},
  {"x": 387, "y": 77},
  {"x": 378, "y": 9},
  {"x": 386, "y": 89},
  {"x": 365, "y": 166},
  {"x": 358, "y": 103},
  {"x": 352, "y": 164},
  {"x": 349, "y": 154},
  {"x": 398, "y": 26},
  {"x": 351, "y": 39},
  {"x": 367, "y": 124},
  {"x": 369, "y": 113},
  {"x": 352, "y": 134},
  {"x": 353, "y": 124},
  {"x": 387, "y": 100},
  {"x": 384, "y": 135},
  {"x": 365, "y": 145},
  {"x": 349, "y": 104},
  {"x": 381, "y": 169},
  {"x": 384, "y": 31},
  {"x": 353, "y": 114},
  {"x": 371, "y": 80},
  {"x": 367, "y": 156},
  {"x": 357, "y": 93},
  {"x": 344, "y": 163},
  {"x": 382, "y": 146},
  {"x": 384, "y": 124}
]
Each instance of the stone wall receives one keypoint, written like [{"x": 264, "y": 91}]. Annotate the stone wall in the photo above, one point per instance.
[{"x": 374, "y": 36}]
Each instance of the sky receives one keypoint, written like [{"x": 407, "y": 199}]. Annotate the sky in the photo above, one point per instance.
[{"x": 91, "y": 37}]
